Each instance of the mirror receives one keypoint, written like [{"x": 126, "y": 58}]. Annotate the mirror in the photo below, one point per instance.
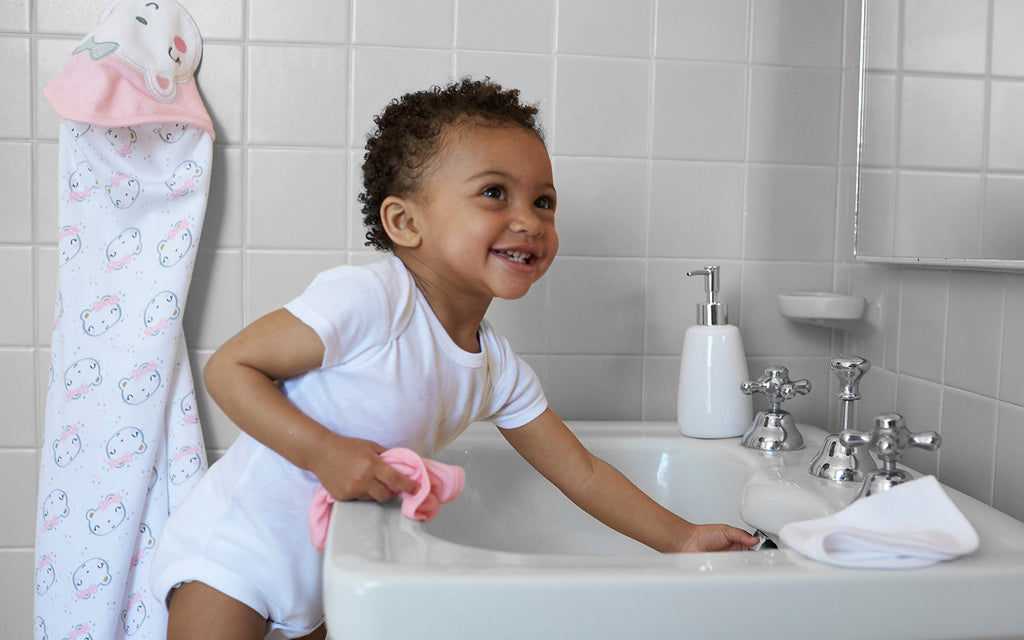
[{"x": 941, "y": 154}]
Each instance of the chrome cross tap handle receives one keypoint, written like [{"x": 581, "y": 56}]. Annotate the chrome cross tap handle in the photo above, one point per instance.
[
  {"x": 774, "y": 429},
  {"x": 889, "y": 438}
]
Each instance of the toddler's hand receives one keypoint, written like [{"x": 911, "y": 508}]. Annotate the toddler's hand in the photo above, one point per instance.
[
  {"x": 351, "y": 469},
  {"x": 717, "y": 537}
]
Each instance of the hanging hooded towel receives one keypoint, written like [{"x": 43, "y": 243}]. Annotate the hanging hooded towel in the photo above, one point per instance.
[{"x": 122, "y": 441}]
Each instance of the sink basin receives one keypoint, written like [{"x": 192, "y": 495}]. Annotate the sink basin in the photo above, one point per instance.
[{"x": 513, "y": 558}]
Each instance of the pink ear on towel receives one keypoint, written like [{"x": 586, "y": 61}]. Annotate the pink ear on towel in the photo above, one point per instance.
[{"x": 438, "y": 484}]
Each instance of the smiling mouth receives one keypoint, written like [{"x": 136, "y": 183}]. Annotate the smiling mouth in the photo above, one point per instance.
[{"x": 519, "y": 257}]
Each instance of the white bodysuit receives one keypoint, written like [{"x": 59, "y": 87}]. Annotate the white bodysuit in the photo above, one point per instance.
[{"x": 390, "y": 374}]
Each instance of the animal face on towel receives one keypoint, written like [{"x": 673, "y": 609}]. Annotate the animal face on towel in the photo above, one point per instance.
[
  {"x": 124, "y": 445},
  {"x": 128, "y": 243},
  {"x": 171, "y": 133},
  {"x": 107, "y": 515},
  {"x": 160, "y": 311},
  {"x": 69, "y": 243},
  {"x": 67, "y": 446},
  {"x": 133, "y": 617},
  {"x": 140, "y": 385},
  {"x": 184, "y": 463},
  {"x": 82, "y": 376},
  {"x": 103, "y": 314},
  {"x": 82, "y": 181},
  {"x": 90, "y": 576},
  {"x": 159, "y": 39},
  {"x": 123, "y": 190},
  {"x": 45, "y": 575},
  {"x": 122, "y": 139},
  {"x": 55, "y": 507},
  {"x": 183, "y": 180},
  {"x": 176, "y": 245}
]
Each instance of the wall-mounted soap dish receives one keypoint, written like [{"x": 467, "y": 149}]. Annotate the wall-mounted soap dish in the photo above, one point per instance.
[{"x": 822, "y": 308}]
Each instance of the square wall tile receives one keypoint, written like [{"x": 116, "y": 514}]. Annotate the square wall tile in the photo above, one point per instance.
[
  {"x": 60, "y": 16},
  {"x": 381, "y": 75},
  {"x": 968, "y": 454},
  {"x": 601, "y": 387},
  {"x": 590, "y": 123},
  {"x": 15, "y": 118},
  {"x": 309, "y": 21},
  {"x": 596, "y": 305},
  {"x": 45, "y": 185},
  {"x": 794, "y": 115},
  {"x": 15, "y": 16},
  {"x": 428, "y": 23},
  {"x": 782, "y": 200},
  {"x": 696, "y": 210},
  {"x": 1002, "y": 225},
  {"x": 621, "y": 28},
  {"x": 923, "y": 307},
  {"x": 1007, "y": 496},
  {"x": 214, "y": 311},
  {"x": 699, "y": 30},
  {"x": 275, "y": 278},
  {"x": 945, "y": 35},
  {"x": 18, "y": 568},
  {"x": 16, "y": 378},
  {"x": 45, "y": 318},
  {"x": 50, "y": 56},
  {"x": 883, "y": 33},
  {"x": 974, "y": 341},
  {"x": 1005, "y": 135},
  {"x": 602, "y": 206},
  {"x": 876, "y": 212},
  {"x": 807, "y": 33},
  {"x": 222, "y": 226},
  {"x": 16, "y": 295},
  {"x": 1011, "y": 378},
  {"x": 699, "y": 111},
  {"x": 954, "y": 106},
  {"x": 937, "y": 202},
  {"x": 281, "y": 79},
  {"x": 19, "y": 475},
  {"x": 878, "y": 135},
  {"x": 16, "y": 187},
  {"x": 221, "y": 82},
  {"x": 526, "y": 25},
  {"x": 221, "y": 20},
  {"x": 302, "y": 185},
  {"x": 920, "y": 404},
  {"x": 1007, "y": 46},
  {"x": 661, "y": 388}
]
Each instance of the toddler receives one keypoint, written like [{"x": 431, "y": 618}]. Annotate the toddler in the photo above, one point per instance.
[{"x": 458, "y": 190}]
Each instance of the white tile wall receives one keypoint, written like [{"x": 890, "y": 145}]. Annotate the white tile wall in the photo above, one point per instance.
[{"x": 683, "y": 132}]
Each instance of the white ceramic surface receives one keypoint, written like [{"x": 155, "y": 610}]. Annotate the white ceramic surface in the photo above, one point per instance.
[
  {"x": 819, "y": 306},
  {"x": 512, "y": 558}
]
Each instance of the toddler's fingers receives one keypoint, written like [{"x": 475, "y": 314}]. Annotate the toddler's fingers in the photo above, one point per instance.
[{"x": 398, "y": 482}]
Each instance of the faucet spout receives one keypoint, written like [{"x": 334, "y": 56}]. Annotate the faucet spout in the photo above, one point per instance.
[{"x": 836, "y": 460}]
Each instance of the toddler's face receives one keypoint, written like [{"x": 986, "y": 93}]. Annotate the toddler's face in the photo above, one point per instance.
[{"x": 488, "y": 211}]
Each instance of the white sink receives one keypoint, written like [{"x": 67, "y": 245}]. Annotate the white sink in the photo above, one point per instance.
[{"x": 513, "y": 558}]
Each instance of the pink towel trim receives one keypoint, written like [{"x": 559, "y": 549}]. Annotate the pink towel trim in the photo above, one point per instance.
[{"x": 438, "y": 484}]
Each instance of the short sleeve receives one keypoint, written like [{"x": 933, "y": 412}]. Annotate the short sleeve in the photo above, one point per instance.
[{"x": 518, "y": 397}]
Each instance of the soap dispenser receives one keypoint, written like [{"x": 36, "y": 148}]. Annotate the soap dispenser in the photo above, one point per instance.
[{"x": 714, "y": 366}]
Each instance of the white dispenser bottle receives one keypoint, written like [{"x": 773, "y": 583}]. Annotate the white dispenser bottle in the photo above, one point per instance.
[{"x": 711, "y": 403}]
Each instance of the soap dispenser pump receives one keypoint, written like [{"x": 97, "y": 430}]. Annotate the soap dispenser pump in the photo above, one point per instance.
[{"x": 714, "y": 366}]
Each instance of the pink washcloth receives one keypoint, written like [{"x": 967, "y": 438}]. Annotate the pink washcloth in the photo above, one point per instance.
[{"x": 439, "y": 484}]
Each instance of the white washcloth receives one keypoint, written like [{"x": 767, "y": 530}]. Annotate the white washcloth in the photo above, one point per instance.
[{"x": 911, "y": 525}]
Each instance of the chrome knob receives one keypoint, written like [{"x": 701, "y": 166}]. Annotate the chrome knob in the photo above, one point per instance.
[
  {"x": 836, "y": 461},
  {"x": 889, "y": 438},
  {"x": 774, "y": 429}
]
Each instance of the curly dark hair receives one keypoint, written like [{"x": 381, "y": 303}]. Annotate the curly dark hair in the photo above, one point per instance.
[{"x": 408, "y": 136}]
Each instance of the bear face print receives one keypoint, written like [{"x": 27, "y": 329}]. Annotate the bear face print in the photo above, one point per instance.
[
  {"x": 82, "y": 181},
  {"x": 176, "y": 245},
  {"x": 123, "y": 248},
  {"x": 123, "y": 446},
  {"x": 140, "y": 385},
  {"x": 67, "y": 445},
  {"x": 184, "y": 463},
  {"x": 55, "y": 507},
  {"x": 171, "y": 133},
  {"x": 45, "y": 574},
  {"x": 123, "y": 190},
  {"x": 103, "y": 314},
  {"x": 122, "y": 139},
  {"x": 107, "y": 516},
  {"x": 188, "y": 408},
  {"x": 69, "y": 244},
  {"x": 183, "y": 180},
  {"x": 133, "y": 617},
  {"x": 80, "y": 632},
  {"x": 145, "y": 542},
  {"x": 160, "y": 312},
  {"x": 78, "y": 129},
  {"x": 89, "y": 577},
  {"x": 81, "y": 377}
]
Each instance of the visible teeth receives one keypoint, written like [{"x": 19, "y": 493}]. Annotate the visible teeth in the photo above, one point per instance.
[{"x": 516, "y": 256}]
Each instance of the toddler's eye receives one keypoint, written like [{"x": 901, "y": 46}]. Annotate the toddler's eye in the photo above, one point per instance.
[
  {"x": 494, "y": 191},
  {"x": 544, "y": 202}
]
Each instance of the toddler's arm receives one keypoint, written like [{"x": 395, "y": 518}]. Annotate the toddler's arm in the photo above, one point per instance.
[
  {"x": 243, "y": 376},
  {"x": 600, "y": 490}
]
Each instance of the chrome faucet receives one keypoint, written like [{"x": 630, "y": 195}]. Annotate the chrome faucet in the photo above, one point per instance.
[
  {"x": 774, "y": 429},
  {"x": 888, "y": 440},
  {"x": 838, "y": 461}
]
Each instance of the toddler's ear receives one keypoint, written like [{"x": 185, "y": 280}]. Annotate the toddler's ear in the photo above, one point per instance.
[{"x": 397, "y": 215}]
